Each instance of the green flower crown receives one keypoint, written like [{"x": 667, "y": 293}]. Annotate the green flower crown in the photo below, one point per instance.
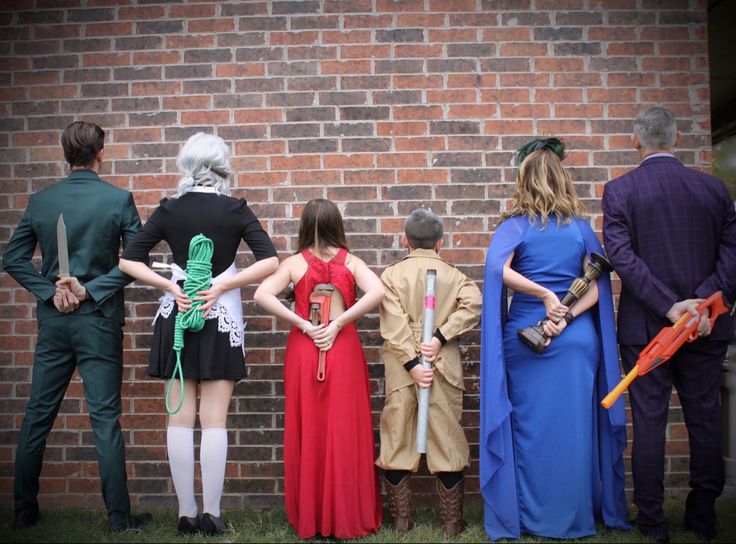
[{"x": 555, "y": 145}]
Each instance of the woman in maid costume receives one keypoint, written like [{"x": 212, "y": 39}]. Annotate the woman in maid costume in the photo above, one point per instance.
[{"x": 199, "y": 349}]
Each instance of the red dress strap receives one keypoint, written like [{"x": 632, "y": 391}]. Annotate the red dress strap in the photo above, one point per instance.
[{"x": 341, "y": 256}]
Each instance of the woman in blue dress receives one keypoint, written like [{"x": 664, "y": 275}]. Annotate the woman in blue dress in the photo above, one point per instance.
[{"x": 551, "y": 457}]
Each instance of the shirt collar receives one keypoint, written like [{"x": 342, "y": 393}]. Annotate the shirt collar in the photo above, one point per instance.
[
  {"x": 431, "y": 253},
  {"x": 661, "y": 154}
]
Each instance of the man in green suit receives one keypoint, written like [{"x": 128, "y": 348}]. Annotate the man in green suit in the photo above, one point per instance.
[{"x": 80, "y": 318}]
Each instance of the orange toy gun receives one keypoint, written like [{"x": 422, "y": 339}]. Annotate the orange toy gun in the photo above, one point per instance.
[
  {"x": 319, "y": 314},
  {"x": 667, "y": 342}
]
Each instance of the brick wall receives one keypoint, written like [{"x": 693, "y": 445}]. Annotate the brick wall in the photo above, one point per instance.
[{"x": 380, "y": 105}]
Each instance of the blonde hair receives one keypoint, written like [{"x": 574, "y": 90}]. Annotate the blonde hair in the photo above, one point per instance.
[{"x": 544, "y": 187}]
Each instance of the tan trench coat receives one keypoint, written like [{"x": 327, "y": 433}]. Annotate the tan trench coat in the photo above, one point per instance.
[{"x": 457, "y": 310}]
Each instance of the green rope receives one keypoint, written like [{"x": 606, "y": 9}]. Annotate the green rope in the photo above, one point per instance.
[{"x": 199, "y": 278}]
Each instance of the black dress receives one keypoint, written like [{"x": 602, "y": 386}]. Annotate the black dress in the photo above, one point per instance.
[{"x": 207, "y": 354}]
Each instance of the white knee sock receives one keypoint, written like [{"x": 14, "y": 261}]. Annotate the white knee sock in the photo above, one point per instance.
[
  {"x": 212, "y": 459},
  {"x": 180, "y": 446}
]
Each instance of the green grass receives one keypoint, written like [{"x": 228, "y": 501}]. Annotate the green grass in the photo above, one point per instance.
[{"x": 75, "y": 525}]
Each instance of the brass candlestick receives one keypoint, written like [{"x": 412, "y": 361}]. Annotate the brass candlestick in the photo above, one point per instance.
[{"x": 534, "y": 336}]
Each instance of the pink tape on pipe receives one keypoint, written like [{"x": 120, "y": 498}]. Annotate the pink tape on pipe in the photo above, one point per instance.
[{"x": 429, "y": 302}]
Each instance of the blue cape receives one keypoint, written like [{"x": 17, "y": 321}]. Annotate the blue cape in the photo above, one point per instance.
[{"x": 497, "y": 471}]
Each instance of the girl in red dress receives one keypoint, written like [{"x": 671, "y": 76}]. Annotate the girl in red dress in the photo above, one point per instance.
[{"x": 330, "y": 481}]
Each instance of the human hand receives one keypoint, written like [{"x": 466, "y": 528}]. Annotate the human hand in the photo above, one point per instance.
[
  {"x": 704, "y": 327},
  {"x": 679, "y": 308},
  {"x": 555, "y": 309},
  {"x": 431, "y": 349},
  {"x": 552, "y": 329},
  {"x": 422, "y": 376},
  {"x": 65, "y": 301},
  {"x": 72, "y": 284},
  {"x": 209, "y": 296},
  {"x": 182, "y": 300},
  {"x": 324, "y": 338}
]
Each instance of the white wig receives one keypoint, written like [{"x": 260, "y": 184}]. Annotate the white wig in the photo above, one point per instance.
[{"x": 204, "y": 161}]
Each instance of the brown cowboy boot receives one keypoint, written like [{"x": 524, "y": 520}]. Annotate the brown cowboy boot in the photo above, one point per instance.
[
  {"x": 399, "y": 502},
  {"x": 451, "y": 508}
]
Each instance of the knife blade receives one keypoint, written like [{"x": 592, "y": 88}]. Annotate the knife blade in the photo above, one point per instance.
[{"x": 62, "y": 247}]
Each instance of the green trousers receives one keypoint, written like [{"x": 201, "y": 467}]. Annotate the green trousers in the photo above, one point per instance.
[{"x": 93, "y": 344}]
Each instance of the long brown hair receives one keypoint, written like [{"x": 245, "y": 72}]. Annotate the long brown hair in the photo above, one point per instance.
[
  {"x": 544, "y": 187},
  {"x": 321, "y": 226}
]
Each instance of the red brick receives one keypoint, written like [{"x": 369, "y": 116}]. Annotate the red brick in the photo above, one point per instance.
[
  {"x": 433, "y": 143},
  {"x": 417, "y": 82},
  {"x": 418, "y": 175},
  {"x": 200, "y": 41},
  {"x": 260, "y": 115},
  {"x": 400, "y": 5},
  {"x": 294, "y": 38},
  {"x": 219, "y": 24},
  {"x": 453, "y": 35},
  {"x": 346, "y": 67},
  {"x": 402, "y": 160},
  {"x": 192, "y": 11},
  {"x": 419, "y": 50},
  {"x": 109, "y": 29},
  {"x": 155, "y": 88},
  {"x": 156, "y": 57},
  {"x": 417, "y": 112},
  {"x": 364, "y": 51},
  {"x": 420, "y": 20},
  {"x": 472, "y": 111},
  {"x": 451, "y": 96},
  {"x": 295, "y": 162},
  {"x": 402, "y": 129},
  {"x": 241, "y": 69},
  {"x": 106, "y": 59},
  {"x": 141, "y": 13},
  {"x": 354, "y": 160},
  {"x": 559, "y": 64},
  {"x": 346, "y": 37},
  {"x": 523, "y": 49}
]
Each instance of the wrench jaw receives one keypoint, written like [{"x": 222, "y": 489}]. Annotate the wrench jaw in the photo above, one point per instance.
[{"x": 319, "y": 314}]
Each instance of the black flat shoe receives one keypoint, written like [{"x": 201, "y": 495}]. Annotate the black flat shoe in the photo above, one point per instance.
[
  {"x": 134, "y": 523},
  {"x": 187, "y": 525},
  {"x": 212, "y": 525},
  {"x": 24, "y": 520}
]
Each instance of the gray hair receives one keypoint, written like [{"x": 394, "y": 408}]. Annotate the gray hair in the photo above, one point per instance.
[
  {"x": 423, "y": 229},
  {"x": 203, "y": 160},
  {"x": 656, "y": 128}
]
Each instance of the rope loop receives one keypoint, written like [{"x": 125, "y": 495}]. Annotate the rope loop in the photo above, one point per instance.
[{"x": 198, "y": 278}]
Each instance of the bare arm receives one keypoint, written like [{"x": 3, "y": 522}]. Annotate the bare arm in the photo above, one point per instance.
[
  {"x": 251, "y": 274},
  {"x": 518, "y": 282},
  {"x": 373, "y": 294},
  {"x": 269, "y": 289},
  {"x": 144, "y": 274}
]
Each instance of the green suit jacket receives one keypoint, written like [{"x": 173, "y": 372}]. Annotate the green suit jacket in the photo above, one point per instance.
[{"x": 98, "y": 216}]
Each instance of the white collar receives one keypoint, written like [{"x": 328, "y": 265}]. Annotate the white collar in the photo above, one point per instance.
[
  {"x": 655, "y": 155},
  {"x": 202, "y": 189}
]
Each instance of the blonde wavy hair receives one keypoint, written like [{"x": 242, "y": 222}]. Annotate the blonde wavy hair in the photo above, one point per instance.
[{"x": 544, "y": 187}]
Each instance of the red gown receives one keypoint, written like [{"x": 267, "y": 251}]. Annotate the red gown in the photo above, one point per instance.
[{"x": 330, "y": 481}]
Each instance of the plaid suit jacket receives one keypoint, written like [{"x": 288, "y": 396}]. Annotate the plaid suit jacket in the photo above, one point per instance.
[{"x": 670, "y": 233}]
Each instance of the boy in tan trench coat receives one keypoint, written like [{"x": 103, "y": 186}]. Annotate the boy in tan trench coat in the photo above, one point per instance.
[{"x": 457, "y": 310}]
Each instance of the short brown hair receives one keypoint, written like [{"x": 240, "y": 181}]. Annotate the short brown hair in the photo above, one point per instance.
[
  {"x": 82, "y": 143},
  {"x": 321, "y": 226}
]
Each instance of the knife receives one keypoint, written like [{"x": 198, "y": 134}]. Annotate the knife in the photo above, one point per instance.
[{"x": 62, "y": 247}]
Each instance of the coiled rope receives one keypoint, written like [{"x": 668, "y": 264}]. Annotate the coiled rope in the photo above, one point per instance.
[{"x": 198, "y": 278}]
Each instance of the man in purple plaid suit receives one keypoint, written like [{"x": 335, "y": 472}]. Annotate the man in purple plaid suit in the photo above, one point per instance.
[{"x": 670, "y": 233}]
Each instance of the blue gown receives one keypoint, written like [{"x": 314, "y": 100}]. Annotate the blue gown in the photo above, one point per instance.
[
  {"x": 551, "y": 458},
  {"x": 552, "y": 394}
]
